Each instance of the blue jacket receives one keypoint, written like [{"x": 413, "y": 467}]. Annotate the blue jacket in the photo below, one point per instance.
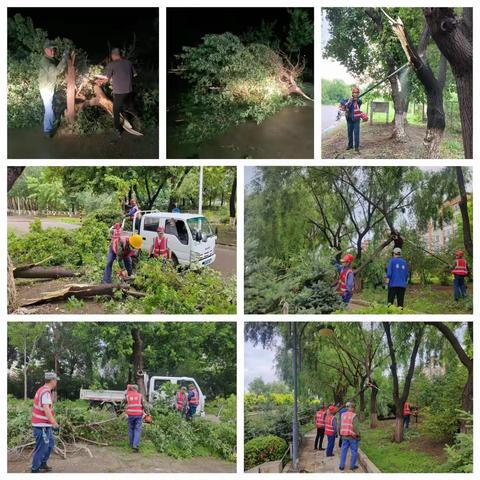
[{"x": 397, "y": 272}]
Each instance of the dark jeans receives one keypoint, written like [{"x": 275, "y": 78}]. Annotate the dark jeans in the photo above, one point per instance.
[
  {"x": 340, "y": 442},
  {"x": 191, "y": 411},
  {"x": 107, "y": 274},
  {"x": 459, "y": 287},
  {"x": 134, "y": 430},
  {"x": 353, "y": 129},
  {"x": 319, "y": 438},
  {"x": 399, "y": 293},
  {"x": 120, "y": 102},
  {"x": 406, "y": 421},
  {"x": 44, "y": 443},
  {"x": 330, "y": 445}
]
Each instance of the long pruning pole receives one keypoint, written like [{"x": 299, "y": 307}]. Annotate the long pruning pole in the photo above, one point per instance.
[
  {"x": 384, "y": 80},
  {"x": 427, "y": 251},
  {"x": 295, "y": 402}
]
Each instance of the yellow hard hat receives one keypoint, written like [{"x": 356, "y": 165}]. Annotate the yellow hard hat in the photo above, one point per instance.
[{"x": 135, "y": 241}]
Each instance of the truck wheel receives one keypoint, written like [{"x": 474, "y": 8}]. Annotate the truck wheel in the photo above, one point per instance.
[{"x": 174, "y": 260}]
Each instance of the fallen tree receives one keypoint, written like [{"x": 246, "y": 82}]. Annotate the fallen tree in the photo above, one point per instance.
[
  {"x": 81, "y": 291},
  {"x": 43, "y": 272}
]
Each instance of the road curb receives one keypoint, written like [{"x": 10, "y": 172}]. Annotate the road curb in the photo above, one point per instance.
[{"x": 366, "y": 463}]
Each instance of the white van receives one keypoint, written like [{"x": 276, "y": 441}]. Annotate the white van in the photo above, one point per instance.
[{"x": 190, "y": 237}]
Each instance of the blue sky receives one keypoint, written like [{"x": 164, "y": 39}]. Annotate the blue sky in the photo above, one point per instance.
[{"x": 259, "y": 362}]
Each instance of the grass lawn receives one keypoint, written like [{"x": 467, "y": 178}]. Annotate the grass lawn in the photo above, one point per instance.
[
  {"x": 416, "y": 454},
  {"x": 433, "y": 299},
  {"x": 73, "y": 220}
]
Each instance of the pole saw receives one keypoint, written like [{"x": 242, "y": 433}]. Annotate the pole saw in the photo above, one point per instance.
[
  {"x": 426, "y": 251},
  {"x": 384, "y": 80}
]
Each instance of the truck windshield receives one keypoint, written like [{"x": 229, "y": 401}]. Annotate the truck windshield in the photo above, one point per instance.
[{"x": 200, "y": 224}]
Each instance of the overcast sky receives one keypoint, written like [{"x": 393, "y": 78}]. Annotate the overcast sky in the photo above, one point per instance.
[{"x": 260, "y": 362}]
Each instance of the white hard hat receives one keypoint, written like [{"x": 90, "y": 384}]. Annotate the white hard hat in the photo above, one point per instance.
[{"x": 397, "y": 251}]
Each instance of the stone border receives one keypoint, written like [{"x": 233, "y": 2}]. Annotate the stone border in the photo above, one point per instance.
[{"x": 366, "y": 463}]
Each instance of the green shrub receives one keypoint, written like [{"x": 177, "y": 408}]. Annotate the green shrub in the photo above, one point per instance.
[{"x": 264, "y": 449}]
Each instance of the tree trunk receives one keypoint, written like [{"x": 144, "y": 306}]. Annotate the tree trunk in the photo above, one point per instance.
[
  {"x": 453, "y": 36},
  {"x": 11, "y": 287},
  {"x": 12, "y": 174},
  {"x": 467, "y": 400},
  {"x": 233, "y": 198},
  {"x": 70, "y": 76},
  {"x": 43, "y": 272},
  {"x": 373, "y": 405},
  {"x": 400, "y": 92},
  {"x": 138, "y": 364},
  {"x": 398, "y": 434},
  {"x": 25, "y": 383},
  {"x": 361, "y": 414},
  {"x": 463, "y": 205}
]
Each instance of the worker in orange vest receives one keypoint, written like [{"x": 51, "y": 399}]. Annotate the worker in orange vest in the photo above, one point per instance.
[
  {"x": 181, "y": 401},
  {"x": 330, "y": 429},
  {"x": 193, "y": 399},
  {"x": 346, "y": 279},
  {"x": 160, "y": 246},
  {"x": 135, "y": 409},
  {"x": 406, "y": 415},
  {"x": 460, "y": 271},
  {"x": 320, "y": 424},
  {"x": 43, "y": 423},
  {"x": 350, "y": 433}
]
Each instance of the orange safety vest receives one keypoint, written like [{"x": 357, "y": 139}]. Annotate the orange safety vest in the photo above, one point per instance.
[
  {"x": 180, "y": 400},
  {"x": 342, "y": 280},
  {"x": 406, "y": 408},
  {"x": 346, "y": 426},
  {"x": 160, "y": 247},
  {"x": 356, "y": 111},
  {"x": 194, "y": 400},
  {"x": 38, "y": 413},
  {"x": 117, "y": 233},
  {"x": 134, "y": 404},
  {"x": 329, "y": 430},
  {"x": 320, "y": 419},
  {"x": 460, "y": 267}
]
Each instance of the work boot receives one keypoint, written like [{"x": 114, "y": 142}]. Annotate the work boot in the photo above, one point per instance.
[
  {"x": 341, "y": 469},
  {"x": 135, "y": 449},
  {"x": 357, "y": 150},
  {"x": 321, "y": 449},
  {"x": 349, "y": 148},
  {"x": 354, "y": 468},
  {"x": 45, "y": 468}
]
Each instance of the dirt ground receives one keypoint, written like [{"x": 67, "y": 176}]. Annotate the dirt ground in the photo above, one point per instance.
[
  {"x": 116, "y": 460},
  {"x": 31, "y": 143},
  {"x": 376, "y": 142}
]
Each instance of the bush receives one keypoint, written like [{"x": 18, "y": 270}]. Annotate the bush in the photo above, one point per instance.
[
  {"x": 460, "y": 454},
  {"x": 264, "y": 449}
]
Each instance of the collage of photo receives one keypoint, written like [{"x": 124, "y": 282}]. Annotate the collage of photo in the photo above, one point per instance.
[{"x": 240, "y": 239}]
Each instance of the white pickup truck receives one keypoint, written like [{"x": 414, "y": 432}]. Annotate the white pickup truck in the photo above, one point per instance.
[
  {"x": 113, "y": 398},
  {"x": 190, "y": 236}
]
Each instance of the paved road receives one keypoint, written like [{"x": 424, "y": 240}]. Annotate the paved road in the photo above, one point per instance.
[
  {"x": 225, "y": 263},
  {"x": 315, "y": 461},
  {"x": 329, "y": 117}
]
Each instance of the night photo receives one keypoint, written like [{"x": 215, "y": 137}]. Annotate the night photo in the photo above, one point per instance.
[
  {"x": 240, "y": 82},
  {"x": 83, "y": 83}
]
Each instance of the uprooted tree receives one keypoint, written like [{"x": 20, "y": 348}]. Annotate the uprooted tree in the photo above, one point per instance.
[{"x": 236, "y": 81}]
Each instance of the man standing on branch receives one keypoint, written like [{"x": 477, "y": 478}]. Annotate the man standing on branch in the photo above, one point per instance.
[
  {"x": 48, "y": 72},
  {"x": 397, "y": 278},
  {"x": 43, "y": 423},
  {"x": 346, "y": 281},
  {"x": 459, "y": 271},
  {"x": 120, "y": 73},
  {"x": 320, "y": 424}
]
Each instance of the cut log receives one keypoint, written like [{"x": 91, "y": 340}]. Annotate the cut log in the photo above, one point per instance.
[
  {"x": 82, "y": 291},
  {"x": 101, "y": 100},
  {"x": 43, "y": 272}
]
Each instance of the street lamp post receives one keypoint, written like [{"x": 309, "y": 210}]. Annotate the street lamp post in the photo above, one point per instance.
[{"x": 295, "y": 402}]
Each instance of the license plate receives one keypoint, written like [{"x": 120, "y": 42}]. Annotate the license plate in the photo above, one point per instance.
[{"x": 208, "y": 261}]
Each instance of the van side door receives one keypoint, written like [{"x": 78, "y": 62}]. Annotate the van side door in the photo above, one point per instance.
[{"x": 178, "y": 239}]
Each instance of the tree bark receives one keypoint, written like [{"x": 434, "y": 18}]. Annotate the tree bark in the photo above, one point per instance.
[
  {"x": 400, "y": 93},
  {"x": 70, "y": 76},
  {"x": 361, "y": 414},
  {"x": 233, "y": 198},
  {"x": 453, "y": 37},
  {"x": 463, "y": 205},
  {"x": 138, "y": 362},
  {"x": 373, "y": 405},
  {"x": 43, "y": 272}
]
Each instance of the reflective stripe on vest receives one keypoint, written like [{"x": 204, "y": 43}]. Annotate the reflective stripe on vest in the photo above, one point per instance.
[
  {"x": 320, "y": 419},
  {"x": 329, "y": 430},
  {"x": 406, "y": 408},
  {"x": 160, "y": 247},
  {"x": 342, "y": 280},
  {"x": 346, "y": 427},
  {"x": 134, "y": 404},
  {"x": 356, "y": 111},
  {"x": 194, "y": 400},
  {"x": 38, "y": 413},
  {"x": 460, "y": 267},
  {"x": 180, "y": 400}
]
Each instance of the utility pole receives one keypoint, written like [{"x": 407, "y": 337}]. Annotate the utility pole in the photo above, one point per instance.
[
  {"x": 295, "y": 402},
  {"x": 200, "y": 191}
]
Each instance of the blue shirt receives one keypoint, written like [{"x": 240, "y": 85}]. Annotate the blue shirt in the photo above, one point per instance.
[
  {"x": 349, "y": 115},
  {"x": 397, "y": 272}
]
